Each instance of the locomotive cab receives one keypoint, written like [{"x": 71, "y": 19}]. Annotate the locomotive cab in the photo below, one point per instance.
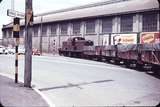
[{"x": 73, "y": 47}]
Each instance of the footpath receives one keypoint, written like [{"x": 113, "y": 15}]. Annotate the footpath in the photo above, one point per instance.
[{"x": 17, "y": 95}]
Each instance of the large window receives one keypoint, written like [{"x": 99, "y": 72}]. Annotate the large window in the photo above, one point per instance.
[
  {"x": 90, "y": 27},
  {"x": 36, "y": 31},
  {"x": 10, "y": 33},
  {"x": 53, "y": 30},
  {"x": 44, "y": 30},
  {"x": 21, "y": 33},
  {"x": 107, "y": 25},
  {"x": 64, "y": 29},
  {"x": 76, "y": 28},
  {"x": 127, "y": 23},
  {"x": 149, "y": 22},
  {"x": 4, "y": 34}
]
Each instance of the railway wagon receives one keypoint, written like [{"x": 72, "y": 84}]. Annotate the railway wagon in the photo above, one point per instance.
[
  {"x": 129, "y": 54},
  {"x": 150, "y": 50},
  {"x": 143, "y": 51}
]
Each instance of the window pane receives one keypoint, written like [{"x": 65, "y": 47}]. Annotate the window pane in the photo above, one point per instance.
[
  {"x": 149, "y": 22},
  {"x": 127, "y": 23},
  {"x": 21, "y": 33},
  {"x": 53, "y": 30},
  {"x": 76, "y": 28},
  {"x": 44, "y": 30},
  {"x": 107, "y": 25},
  {"x": 10, "y": 33},
  {"x": 64, "y": 29},
  {"x": 36, "y": 31},
  {"x": 4, "y": 34},
  {"x": 90, "y": 27}
]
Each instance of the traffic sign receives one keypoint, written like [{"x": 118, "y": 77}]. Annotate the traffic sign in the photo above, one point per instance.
[{"x": 13, "y": 13}]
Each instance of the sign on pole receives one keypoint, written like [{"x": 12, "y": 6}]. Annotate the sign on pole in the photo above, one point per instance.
[
  {"x": 16, "y": 27},
  {"x": 13, "y": 13}
]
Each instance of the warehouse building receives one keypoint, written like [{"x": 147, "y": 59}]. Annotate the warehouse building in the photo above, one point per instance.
[{"x": 93, "y": 21}]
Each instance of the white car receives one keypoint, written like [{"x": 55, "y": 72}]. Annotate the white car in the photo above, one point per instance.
[
  {"x": 5, "y": 50},
  {"x": 11, "y": 50},
  {"x": 2, "y": 49},
  {"x": 21, "y": 49}
]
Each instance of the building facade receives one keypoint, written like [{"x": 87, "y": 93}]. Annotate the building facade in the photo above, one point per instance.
[{"x": 93, "y": 22}]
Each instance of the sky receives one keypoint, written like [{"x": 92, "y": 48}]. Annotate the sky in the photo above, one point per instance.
[{"x": 39, "y": 6}]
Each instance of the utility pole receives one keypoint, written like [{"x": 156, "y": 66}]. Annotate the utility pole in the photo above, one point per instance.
[
  {"x": 28, "y": 43},
  {"x": 159, "y": 14},
  {"x": 41, "y": 36}
]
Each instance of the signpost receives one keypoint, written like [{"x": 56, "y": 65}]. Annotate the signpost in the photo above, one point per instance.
[{"x": 16, "y": 29}]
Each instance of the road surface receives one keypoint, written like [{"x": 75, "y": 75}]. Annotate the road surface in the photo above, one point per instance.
[{"x": 76, "y": 82}]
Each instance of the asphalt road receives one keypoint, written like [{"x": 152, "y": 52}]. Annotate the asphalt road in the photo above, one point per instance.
[{"x": 75, "y": 82}]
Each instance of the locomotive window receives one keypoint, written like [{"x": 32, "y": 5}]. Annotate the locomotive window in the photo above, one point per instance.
[
  {"x": 79, "y": 38},
  {"x": 76, "y": 28},
  {"x": 107, "y": 25},
  {"x": 64, "y": 29},
  {"x": 90, "y": 27},
  {"x": 149, "y": 22},
  {"x": 126, "y": 23},
  {"x": 89, "y": 43}
]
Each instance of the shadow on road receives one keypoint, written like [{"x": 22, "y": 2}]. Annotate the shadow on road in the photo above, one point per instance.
[
  {"x": 69, "y": 85},
  {"x": 1, "y": 105},
  {"x": 154, "y": 75}
]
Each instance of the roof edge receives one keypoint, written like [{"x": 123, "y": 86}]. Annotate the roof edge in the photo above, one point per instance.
[{"x": 82, "y": 7}]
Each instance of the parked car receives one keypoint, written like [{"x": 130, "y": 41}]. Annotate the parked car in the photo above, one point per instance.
[
  {"x": 36, "y": 52},
  {"x": 21, "y": 49},
  {"x": 5, "y": 50},
  {"x": 11, "y": 50},
  {"x": 2, "y": 49}
]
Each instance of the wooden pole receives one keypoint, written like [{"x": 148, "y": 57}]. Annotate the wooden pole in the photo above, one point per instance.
[
  {"x": 28, "y": 43},
  {"x": 41, "y": 36}
]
